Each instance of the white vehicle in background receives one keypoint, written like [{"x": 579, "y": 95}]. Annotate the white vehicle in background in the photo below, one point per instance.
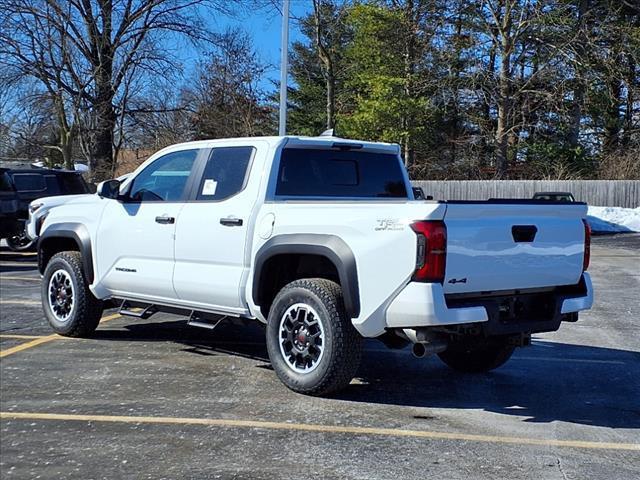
[{"x": 321, "y": 239}]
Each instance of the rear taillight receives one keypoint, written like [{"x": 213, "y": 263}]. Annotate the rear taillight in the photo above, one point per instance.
[
  {"x": 587, "y": 245},
  {"x": 431, "y": 252}
]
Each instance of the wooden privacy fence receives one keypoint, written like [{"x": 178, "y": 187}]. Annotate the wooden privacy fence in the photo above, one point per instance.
[{"x": 606, "y": 193}]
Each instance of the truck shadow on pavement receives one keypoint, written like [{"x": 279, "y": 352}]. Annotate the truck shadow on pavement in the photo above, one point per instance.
[
  {"x": 238, "y": 338},
  {"x": 544, "y": 383}
]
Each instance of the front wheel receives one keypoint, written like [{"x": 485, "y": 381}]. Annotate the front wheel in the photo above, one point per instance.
[
  {"x": 68, "y": 304},
  {"x": 312, "y": 344},
  {"x": 477, "y": 356}
]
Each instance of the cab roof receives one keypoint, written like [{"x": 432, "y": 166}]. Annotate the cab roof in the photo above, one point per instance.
[{"x": 292, "y": 141}]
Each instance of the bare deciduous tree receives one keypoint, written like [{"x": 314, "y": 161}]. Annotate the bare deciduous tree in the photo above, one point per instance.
[
  {"x": 226, "y": 98},
  {"x": 89, "y": 54}
]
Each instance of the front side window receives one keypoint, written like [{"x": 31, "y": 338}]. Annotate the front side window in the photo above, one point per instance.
[
  {"x": 165, "y": 179},
  {"x": 225, "y": 173},
  {"x": 347, "y": 174}
]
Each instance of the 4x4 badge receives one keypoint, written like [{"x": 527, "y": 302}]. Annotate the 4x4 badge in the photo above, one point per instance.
[{"x": 454, "y": 280}]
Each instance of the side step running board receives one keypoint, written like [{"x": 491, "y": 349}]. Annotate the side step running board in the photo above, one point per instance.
[
  {"x": 125, "y": 309},
  {"x": 196, "y": 321}
]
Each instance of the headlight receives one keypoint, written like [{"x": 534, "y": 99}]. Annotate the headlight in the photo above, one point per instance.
[
  {"x": 34, "y": 206},
  {"x": 40, "y": 222}
]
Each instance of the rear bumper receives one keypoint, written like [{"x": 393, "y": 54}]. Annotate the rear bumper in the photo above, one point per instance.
[
  {"x": 580, "y": 302},
  {"x": 425, "y": 305}
]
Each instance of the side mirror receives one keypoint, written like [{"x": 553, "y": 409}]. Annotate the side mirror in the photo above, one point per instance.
[{"x": 109, "y": 189}]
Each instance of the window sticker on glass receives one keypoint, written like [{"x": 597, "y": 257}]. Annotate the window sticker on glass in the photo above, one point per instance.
[{"x": 209, "y": 187}]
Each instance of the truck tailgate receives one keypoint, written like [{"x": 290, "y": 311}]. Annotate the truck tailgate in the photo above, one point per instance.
[{"x": 494, "y": 246}]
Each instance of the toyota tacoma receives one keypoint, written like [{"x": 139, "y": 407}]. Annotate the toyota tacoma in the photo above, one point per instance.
[{"x": 321, "y": 239}]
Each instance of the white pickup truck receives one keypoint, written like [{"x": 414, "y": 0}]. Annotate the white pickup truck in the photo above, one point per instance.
[{"x": 321, "y": 239}]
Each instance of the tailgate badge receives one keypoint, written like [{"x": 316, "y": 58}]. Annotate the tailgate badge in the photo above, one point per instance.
[
  {"x": 453, "y": 281},
  {"x": 392, "y": 224}
]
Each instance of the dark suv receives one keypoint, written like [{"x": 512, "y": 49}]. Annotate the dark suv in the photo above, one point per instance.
[
  {"x": 9, "y": 224},
  {"x": 24, "y": 186}
]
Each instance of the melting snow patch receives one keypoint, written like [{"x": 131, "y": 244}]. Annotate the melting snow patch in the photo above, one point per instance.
[{"x": 614, "y": 219}]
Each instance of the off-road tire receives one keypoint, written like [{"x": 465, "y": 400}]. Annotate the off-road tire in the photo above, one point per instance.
[
  {"x": 477, "y": 356},
  {"x": 87, "y": 309},
  {"x": 342, "y": 343}
]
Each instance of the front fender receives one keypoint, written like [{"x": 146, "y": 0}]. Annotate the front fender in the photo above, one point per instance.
[{"x": 73, "y": 231}]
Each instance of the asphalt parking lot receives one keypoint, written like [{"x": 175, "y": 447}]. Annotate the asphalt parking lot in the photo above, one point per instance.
[{"x": 157, "y": 399}]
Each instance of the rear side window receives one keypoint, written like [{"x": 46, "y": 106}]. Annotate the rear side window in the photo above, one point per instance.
[
  {"x": 328, "y": 173},
  {"x": 225, "y": 173},
  {"x": 72, "y": 184},
  {"x": 51, "y": 182},
  {"x": 29, "y": 182}
]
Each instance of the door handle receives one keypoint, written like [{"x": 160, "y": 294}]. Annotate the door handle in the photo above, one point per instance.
[
  {"x": 231, "y": 222},
  {"x": 165, "y": 219}
]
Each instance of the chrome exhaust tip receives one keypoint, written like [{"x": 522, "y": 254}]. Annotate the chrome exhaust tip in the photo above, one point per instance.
[{"x": 418, "y": 350}]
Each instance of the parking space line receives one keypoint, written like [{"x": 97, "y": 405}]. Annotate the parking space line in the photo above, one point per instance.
[
  {"x": 25, "y": 346},
  {"x": 306, "y": 427},
  {"x": 30, "y": 279},
  {"x": 19, "y": 302},
  {"x": 18, "y": 264},
  {"x": 108, "y": 318},
  {"x": 20, "y": 336},
  {"x": 45, "y": 339}
]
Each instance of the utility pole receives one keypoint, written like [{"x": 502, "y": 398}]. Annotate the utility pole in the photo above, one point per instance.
[{"x": 284, "y": 67}]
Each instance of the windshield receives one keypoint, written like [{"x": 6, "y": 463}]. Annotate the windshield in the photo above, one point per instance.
[{"x": 350, "y": 173}]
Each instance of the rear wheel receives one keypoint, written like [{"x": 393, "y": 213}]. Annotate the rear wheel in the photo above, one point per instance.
[
  {"x": 68, "y": 304},
  {"x": 477, "y": 356},
  {"x": 312, "y": 344}
]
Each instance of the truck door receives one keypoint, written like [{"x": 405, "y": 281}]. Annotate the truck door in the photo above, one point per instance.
[
  {"x": 135, "y": 241},
  {"x": 213, "y": 229}
]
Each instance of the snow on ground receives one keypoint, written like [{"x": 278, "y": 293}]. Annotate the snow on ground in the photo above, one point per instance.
[{"x": 614, "y": 219}]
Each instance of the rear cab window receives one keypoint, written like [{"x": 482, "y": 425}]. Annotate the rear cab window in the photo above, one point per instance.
[{"x": 326, "y": 173}]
